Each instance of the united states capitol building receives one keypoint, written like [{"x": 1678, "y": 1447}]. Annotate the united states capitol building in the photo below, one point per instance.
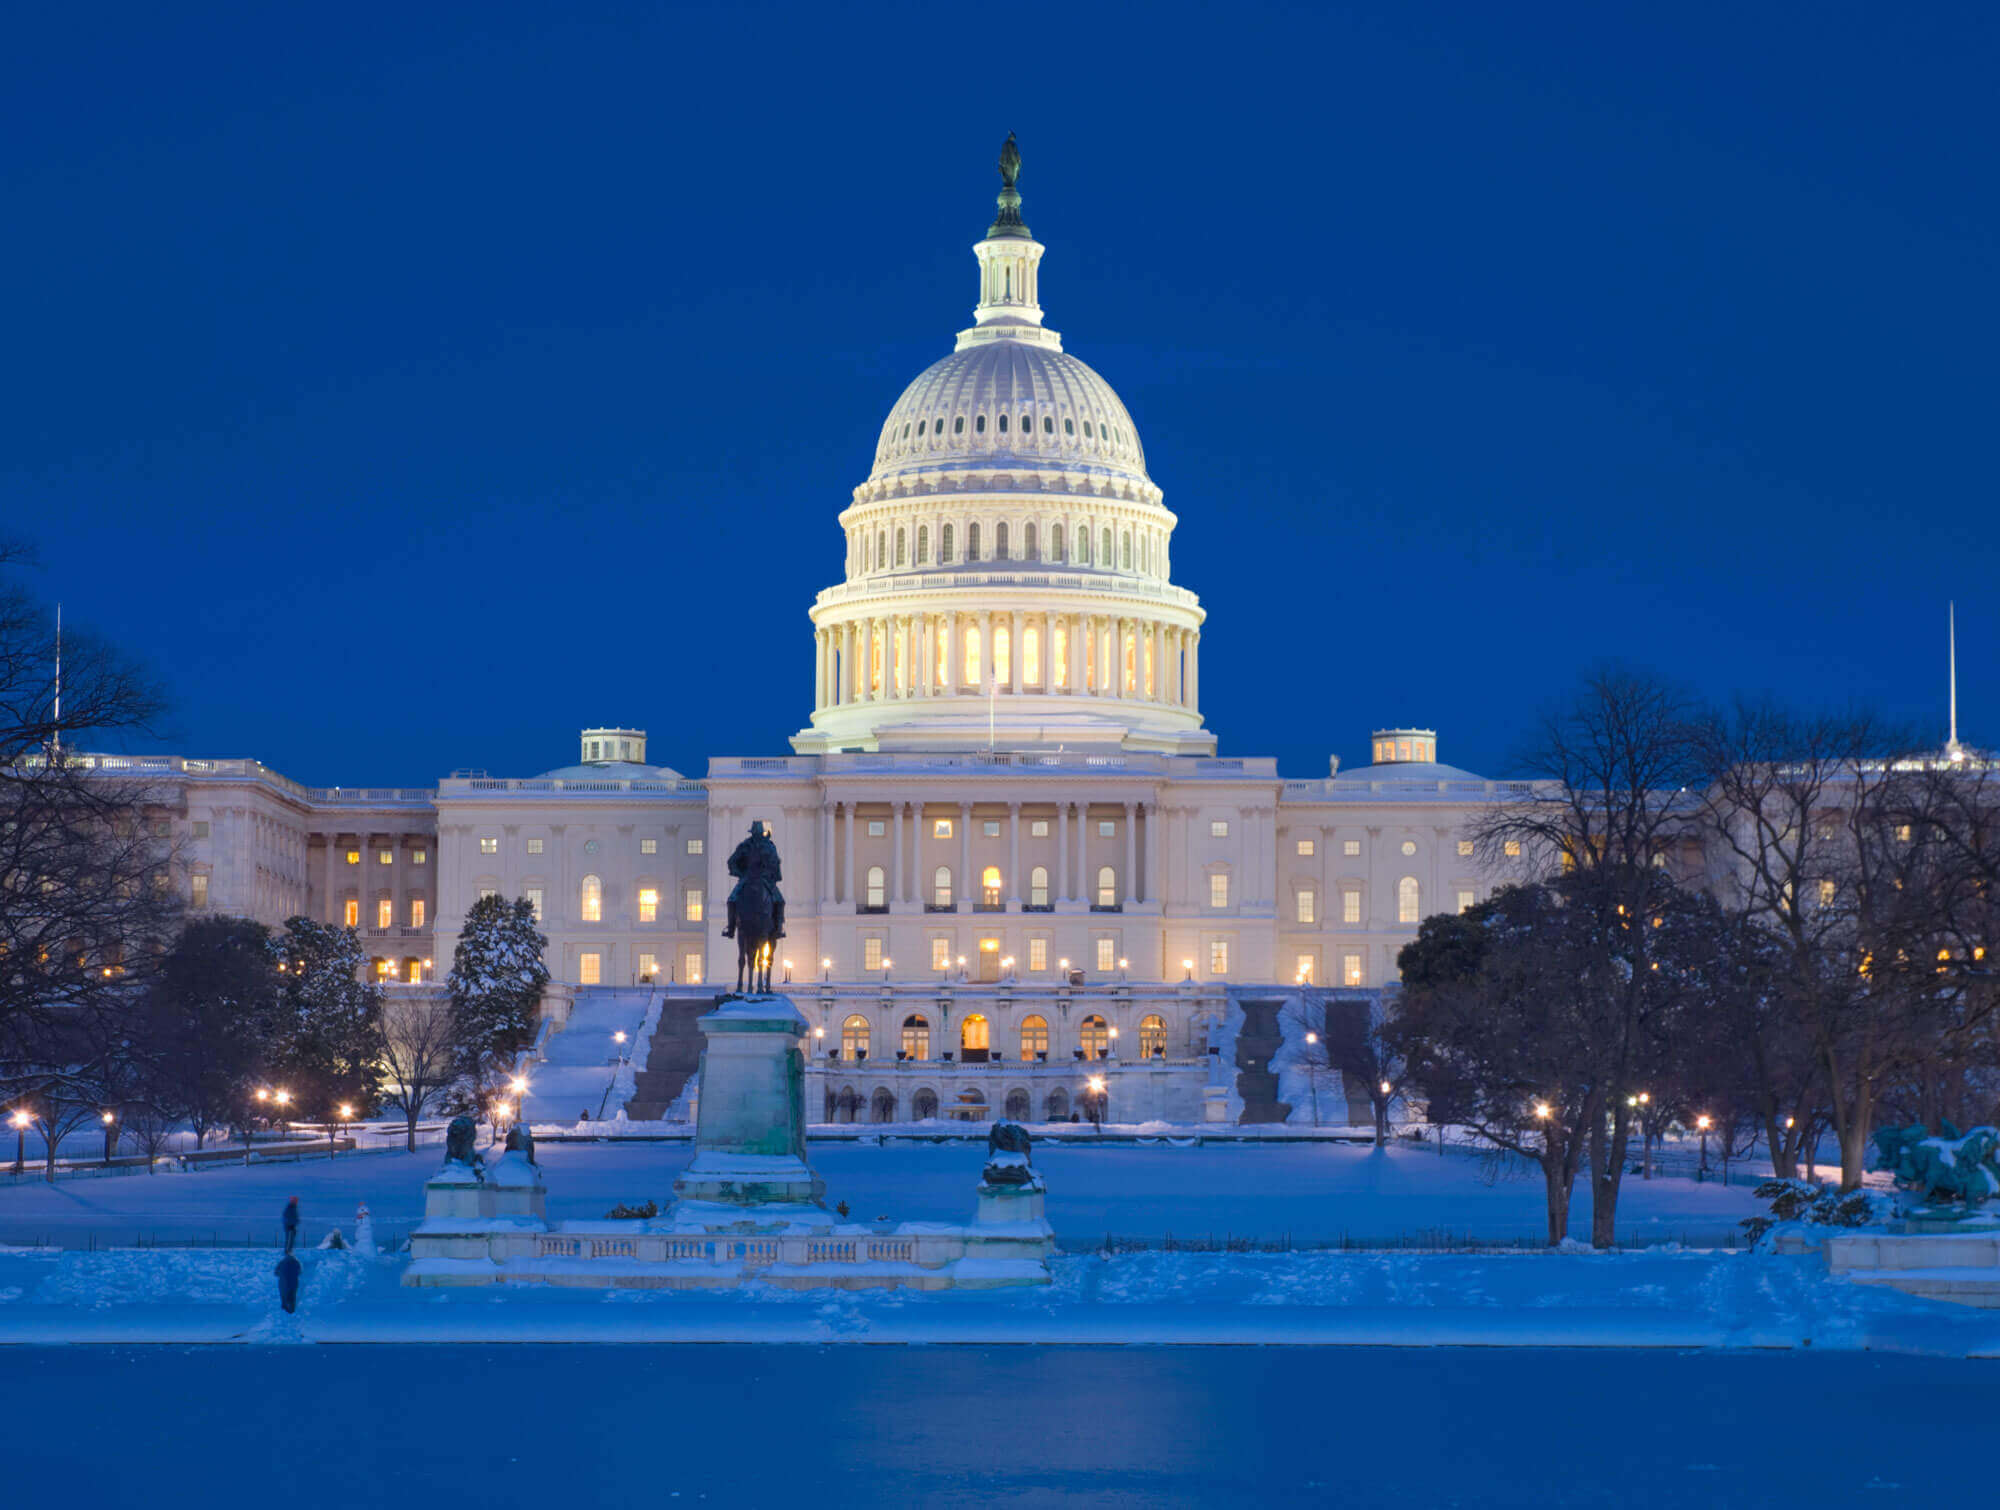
[{"x": 1013, "y": 854}]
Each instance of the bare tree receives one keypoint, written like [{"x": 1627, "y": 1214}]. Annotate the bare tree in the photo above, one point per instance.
[
  {"x": 421, "y": 1057},
  {"x": 1340, "y": 1035}
]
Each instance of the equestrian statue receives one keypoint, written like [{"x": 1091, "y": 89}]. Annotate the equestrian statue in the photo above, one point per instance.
[{"x": 756, "y": 909}]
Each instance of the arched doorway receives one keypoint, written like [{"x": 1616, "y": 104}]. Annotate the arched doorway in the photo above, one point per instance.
[
  {"x": 916, "y": 1037},
  {"x": 1095, "y": 1036},
  {"x": 1153, "y": 1037},
  {"x": 923, "y": 1105},
  {"x": 854, "y": 1038},
  {"x": 973, "y": 1039},
  {"x": 1017, "y": 1105},
  {"x": 1058, "y": 1105},
  {"x": 882, "y": 1105}
]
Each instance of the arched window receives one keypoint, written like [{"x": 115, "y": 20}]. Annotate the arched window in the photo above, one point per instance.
[
  {"x": 882, "y": 1105},
  {"x": 881, "y": 549},
  {"x": 1086, "y": 431},
  {"x": 1152, "y": 1036},
  {"x": 1058, "y": 1105},
  {"x": 1038, "y": 886},
  {"x": 979, "y": 425},
  {"x": 592, "y": 900},
  {"x": 1055, "y": 542},
  {"x": 1028, "y": 543},
  {"x": 1000, "y": 541},
  {"x": 941, "y": 886},
  {"x": 916, "y": 1037},
  {"x": 899, "y": 545},
  {"x": 854, "y": 1038},
  {"x": 923, "y": 1105},
  {"x": 878, "y": 894},
  {"x": 906, "y": 429},
  {"x": 1031, "y": 653},
  {"x": 1407, "y": 908},
  {"x": 1094, "y": 1033},
  {"x": 1003, "y": 424},
  {"x": 972, "y": 542},
  {"x": 1017, "y": 1105},
  {"x": 958, "y": 425},
  {"x": 969, "y": 674},
  {"x": 1048, "y": 424},
  {"x": 1107, "y": 886},
  {"x": 1082, "y": 546},
  {"x": 944, "y": 547},
  {"x": 923, "y": 545},
  {"x": 989, "y": 886},
  {"x": 1034, "y": 1036},
  {"x": 1069, "y": 425},
  {"x": 920, "y": 429},
  {"x": 972, "y": 1035},
  {"x": 1125, "y": 559}
]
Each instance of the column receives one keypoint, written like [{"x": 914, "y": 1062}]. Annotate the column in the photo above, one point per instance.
[
  {"x": 1077, "y": 651},
  {"x": 1014, "y": 839},
  {"x": 1159, "y": 662},
  {"x": 1062, "y": 850},
  {"x": 1049, "y": 651},
  {"x": 1131, "y": 853},
  {"x": 1194, "y": 669},
  {"x": 927, "y": 640},
  {"x": 867, "y": 660},
  {"x": 896, "y": 868},
  {"x": 964, "y": 887},
  {"x": 848, "y": 889},
  {"x": 953, "y": 654},
  {"x": 332, "y": 902},
  {"x": 986, "y": 649},
  {"x": 848, "y": 689},
  {"x": 1152, "y": 852},
  {"x": 1014, "y": 659},
  {"x": 825, "y": 853}
]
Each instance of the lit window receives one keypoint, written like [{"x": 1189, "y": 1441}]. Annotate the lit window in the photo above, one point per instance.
[
  {"x": 1094, "y": 1033},
  {"x": 989, "y": 886},
  {"x": 385, "y": 912},
  {"x": 1107, "y": 886},
  {"x": 649, "y": 968},
  {"x": 877, "y": 827},
  {"x": 991, "y": 827},
  {"x": 1465, "y": 846},
  {"x": 484, "y": 893},
  {"x": 1902, "y": 833},
  {"x": 854, "y": 1037},
  {"x": 1512, "y": 848},
  {"x": 1218, "y": 890},
  {"x": 534, "y": 894},
  {"x": 1350, "y": 969},
  {"x": 198, "y": 890},
  {"x": 1409, "y": 846},
  {"x": 1218, "y": 828},
  {"x": 941, "y": 829},
  {"x": 1406, "y": 900},
  {"x": 1350, "y": 847},
  {"x": 871, "y": 954},
  {"x": 354, "y": 855},
  {"x": 1152, "y": 1036},
  {"x": 1107, "y": 828},
  {"x": 878, "y": 887},
  {"x": 916, "y": 1037},
  {"x": 1304, "y": 973},
  {"x": 201, "y": 828},
  {"x": 1466, "y": 900},
  {"x": 1031, "y": 637},
  {"x": 649, "y": 846},
  {"x": 534, "y": 846},
  {"x": 695, "y": 846},
  {"x": 1308, "y": 905},
  {"x": 350, "y": 910},
  {"x": 940, "y": 953},
  {"x": 590, "y": 968},
  {"x": 1218, "y": 957},
  {"x": 1039, "y": 829},
  {"x": 1038, "y": 888},
  {"x": 1034, "y": 1036},
  {"x": 975, "y": 1033},
  {"x": 385, "y": 857},
  {"x": 1038, "y": 954},
  {"x": 691, "y": 967},
  {"x": 968, "y": 674},
  {"x": 1305, "y": 847},
  {"x": 1107, "y": 954},
  {"x": 417, "y": 912},
  {"x": 1350, "y": 906},
  {"x": 649, "y": 904},
  {"x": 592, "y": 897},
  {"x": 941, "y": 886},
  {"x": 692, "y": 905},
  {"x": 1826, "y": 892},
  {"x": 486, "y": 847},
  {"x": 420, "y": 857}
]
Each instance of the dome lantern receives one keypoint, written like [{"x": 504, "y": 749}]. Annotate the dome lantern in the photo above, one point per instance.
[{"x": 1010, "y": 262}]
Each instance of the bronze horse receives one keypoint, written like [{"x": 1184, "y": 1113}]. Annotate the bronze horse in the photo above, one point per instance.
[{"x": 756, "y": 935}]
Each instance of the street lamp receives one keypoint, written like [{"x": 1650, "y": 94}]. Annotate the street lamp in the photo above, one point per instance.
[
  {"x": 826, "y": 967},
  {"x": 20, "y": 1120},
  {"x": 1312, "y": 1074},
  {"x": 886, "y": 963},
  {"x": 1096, "y": 1084},
  {"x": 1703, "y": 1122},
  {"x": 518, "y": 1085},
  {"x": 788, "y": 972},
  {"x": 1187, "y": 966},
  {"x": 110, "y": 1120}
]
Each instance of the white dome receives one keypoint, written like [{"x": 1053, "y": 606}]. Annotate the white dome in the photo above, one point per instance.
[{"x": 1056, "y": 412}]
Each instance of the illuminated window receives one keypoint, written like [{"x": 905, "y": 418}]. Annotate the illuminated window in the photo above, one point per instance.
[
  {"x": 1034, "y": 1036},
  {"x": 854, "y": 1038},
  {"x": 1512, "y": 848},
  {"x": 1902, "y": 833},
  {"x": 649, "y": 846},
  {"x": 944, "y": 546},
  {"x": 989, "y": 886},
  {"x": 1406, "y": 900},
  {"x": 1304, "y": 972},
  {"x": 1305, "y": 847},
  {"x": 871, "y": 954},
  {"x": 1107, "y": 828},
  {"x": 1038, "y": 888},
  {"x": 1107, "y": 954},
  {"x": 1031, "y": 654},
  {"x": 1308, "y": 911},
  {"x": 1350, "y": 847},
  {"x": 941, "y": 886},
  {"x": 1350, "y": 969},
  {"x": 1218, "y": 957},
  {"x": 1467, "y": 900},
  {"x": 385, "y": 912},
  {"x": 1003, "y": 654},
  {"x": 1218, "y": 828},
  {"x": 1059, "y": 647},
  {"x": 877, "y": 827},
  {"x": 1826, "y": 893},
  {"x": 695, "y": 846},
  {"x": 535, "y": 902},
  {"x": 592, "y": 897},
  {"x": 488, "y": 891},
  {"x": 420, "y": 857},
  {"x": 1107, "y": 886},
  {"x": 649, "y": 904},
  {"x": 1218, "y": 890},
  {"x": 385, "y": 857},
  {"x": 916, "y": 1037},
  {"x": 1038, "y": 954},
  {"x": 1409, "y": 846},
  {"x": 940, "y": 953},
  {"x": 1465, "y": 846},
  {"x": 198, "y": 890},
  {"x": 923, "y": 545},
  {"x": 974, "y": 1034},
  {"x": 691, "y": 967},
  {"x": 350, "y": 911},
  {"x": 878, "y": 887},
  {"x": 941, "y": 829},
  {"x": 1039, "y": 829},
  {"x": 590, "y": 968},
  {"x": 1094, "y": 1033},
  {"x": 649, "y": 968},
  {"x": 1350, "y": 906},
  {"x": 534, "y": 846},
  {"x": 354, "y": 855},
  {"x": 969, "y": 673},
  {"x": 1152, "y": 1036},
  {"x": 486, "y": 847},
  {"x": 990, "y": 827}
]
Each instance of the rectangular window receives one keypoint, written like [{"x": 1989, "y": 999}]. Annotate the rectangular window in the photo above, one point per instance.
[
  {"x": 1107, "y": 954},
  {"x": 1826, "y": 892},
  {"x": 1218, "y": 890},
  {"x": 1038, "y": 954},
  {"x": 535, "y": 901},
  {"x": 350, "y": 913},
  {"x": 1350, "y": 847},
  {"x": 416, "y": 912},
  {"x": 354, "y": 857},
  {"x": 590, "y": 968},
  {"x": 1467, "y": 900},
  {"x": 649, "y": 967},
  {"x": 486, "y": 847},
  {"x": 871, "y": 954},
  {"x": 649, "y": 904},
  {"x": 420, "y": 857},
  {"x": 385, "y": 913},
  {"x": 1218, "y": 828},
  {"x": 1039, "y": 829},
  {"x": 1512, "y": 848},
  {"x": 385, "y": 857},
  {"x": 691, "y": 905},
  {"x": 1218, "y": 957},
  {"x": 1308, "y": 905},
  {"x": 1350, "y": 969},
  {"x": 649, "y": 846},
  {"x": 991, "y": 827},
  {"x": 940, "y": 954},
  {"x": 691, "y": 967},
  {"x": 534, "y": 846},
  {"x": 201, "y": 828},
  {"x": 1350, "y": 907},
  {"x": 163, "y": 828},
  {"x": 1306, "y": 848},
  {"x": 488, "y": 891},
  {"x": 941, "y": 829},
  {"x": 198, "y": 890},
  {"x": 877, "y": 827},
  {"x": 1465, "y": 846},
  {"x": 1305, "y": 970},
  {"x": 695, "y": 846},
  {"x": 1107, "y": 828}
]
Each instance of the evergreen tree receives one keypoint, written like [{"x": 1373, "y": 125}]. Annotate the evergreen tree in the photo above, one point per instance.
[
  {"x": 206, "y": 1020},
  {"x": 329, "y": 1045},
  {"x": 495, "y": 986}
]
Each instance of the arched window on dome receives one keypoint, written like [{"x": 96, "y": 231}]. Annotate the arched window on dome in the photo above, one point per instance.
[
  {"x": 906, "y": 430},
  {"x": 1031, "y": 655},
  {"x": 944, "y": 546},
  {"x": 972, "y": 541},
  {"x": 1069, "y": 425},
  {"x": 923, "y": 545},
  {"x": 1048, "y": 424},
  {"x": 970, "y": 676},
  {"x": 979, "y": 425},
  {"x": 920, "y": 429},
  {"x": 1003, "y": 424},
  {"x": 1027, "y": 424},
  {"x": 1082, "y": 545},
  {"x": 1028, "y": 544},
  {"x": 899, "y": 545},
  {"x": 1000, "y": 541},
  {"x": 1055, "y": 542},
  {"x": 958, "y": 425},
  {"x": 1086, "y": 431},
  {"x": 1125, "y": 561},
  {"x": 1107, "y": 558}
]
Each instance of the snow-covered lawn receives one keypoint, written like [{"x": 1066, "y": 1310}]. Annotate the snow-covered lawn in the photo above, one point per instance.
[{"x": 1265, "y": 1192}]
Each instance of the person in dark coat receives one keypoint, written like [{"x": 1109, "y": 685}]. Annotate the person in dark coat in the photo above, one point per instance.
[
  {"x": 288, "y": 1271},
  {"x": 291, "y": 1222}
]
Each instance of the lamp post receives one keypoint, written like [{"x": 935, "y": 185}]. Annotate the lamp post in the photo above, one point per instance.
[
  {"x": 1312, "y": 1071},
  {"x": 788, "y": 972},
  {"x": 110, "y": 1120},
  {"x": 1111, "y": 1041},
  {"x": 826, "y": 967},
  {"x": 1388, "y": 1092},
  {"x": 20, "y": 1119},
  {"x": 1703, "y": 1122},
  {"x": 1187, "y": 969},
  {"x": 1096, "y": 1084}
]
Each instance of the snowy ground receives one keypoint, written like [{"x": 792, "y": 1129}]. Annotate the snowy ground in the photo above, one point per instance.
[{"x": 1267, "y": 1192}]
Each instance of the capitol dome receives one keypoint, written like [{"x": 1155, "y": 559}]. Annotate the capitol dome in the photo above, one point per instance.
[{"x": 1007, "y": 577}]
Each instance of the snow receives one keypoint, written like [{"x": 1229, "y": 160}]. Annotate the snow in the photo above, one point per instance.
[{"x": 585, "y": 1068}]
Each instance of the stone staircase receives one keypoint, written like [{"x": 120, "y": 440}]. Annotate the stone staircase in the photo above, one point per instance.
[
  {"x": 673, "y": 1055},
  {"x": 1256, "y": 1042}
]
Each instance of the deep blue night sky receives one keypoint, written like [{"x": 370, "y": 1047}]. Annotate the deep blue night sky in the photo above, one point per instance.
[{"x": 413, "y": 385}]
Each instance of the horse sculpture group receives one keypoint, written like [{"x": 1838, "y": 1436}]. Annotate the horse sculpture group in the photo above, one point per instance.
[{"x": 756, "y": 909}]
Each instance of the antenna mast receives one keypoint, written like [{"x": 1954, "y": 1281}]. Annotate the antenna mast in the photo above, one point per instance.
[
  {"x": 55, "y": 739},
  {"x": 1951, "y": 745}
]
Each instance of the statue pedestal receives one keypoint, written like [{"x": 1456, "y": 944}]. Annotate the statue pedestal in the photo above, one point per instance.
[{"x": 750, "y": 1126}]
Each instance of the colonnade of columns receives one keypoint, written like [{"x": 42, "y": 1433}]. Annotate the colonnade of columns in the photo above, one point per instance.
[{"x": 896, "y": 657}]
